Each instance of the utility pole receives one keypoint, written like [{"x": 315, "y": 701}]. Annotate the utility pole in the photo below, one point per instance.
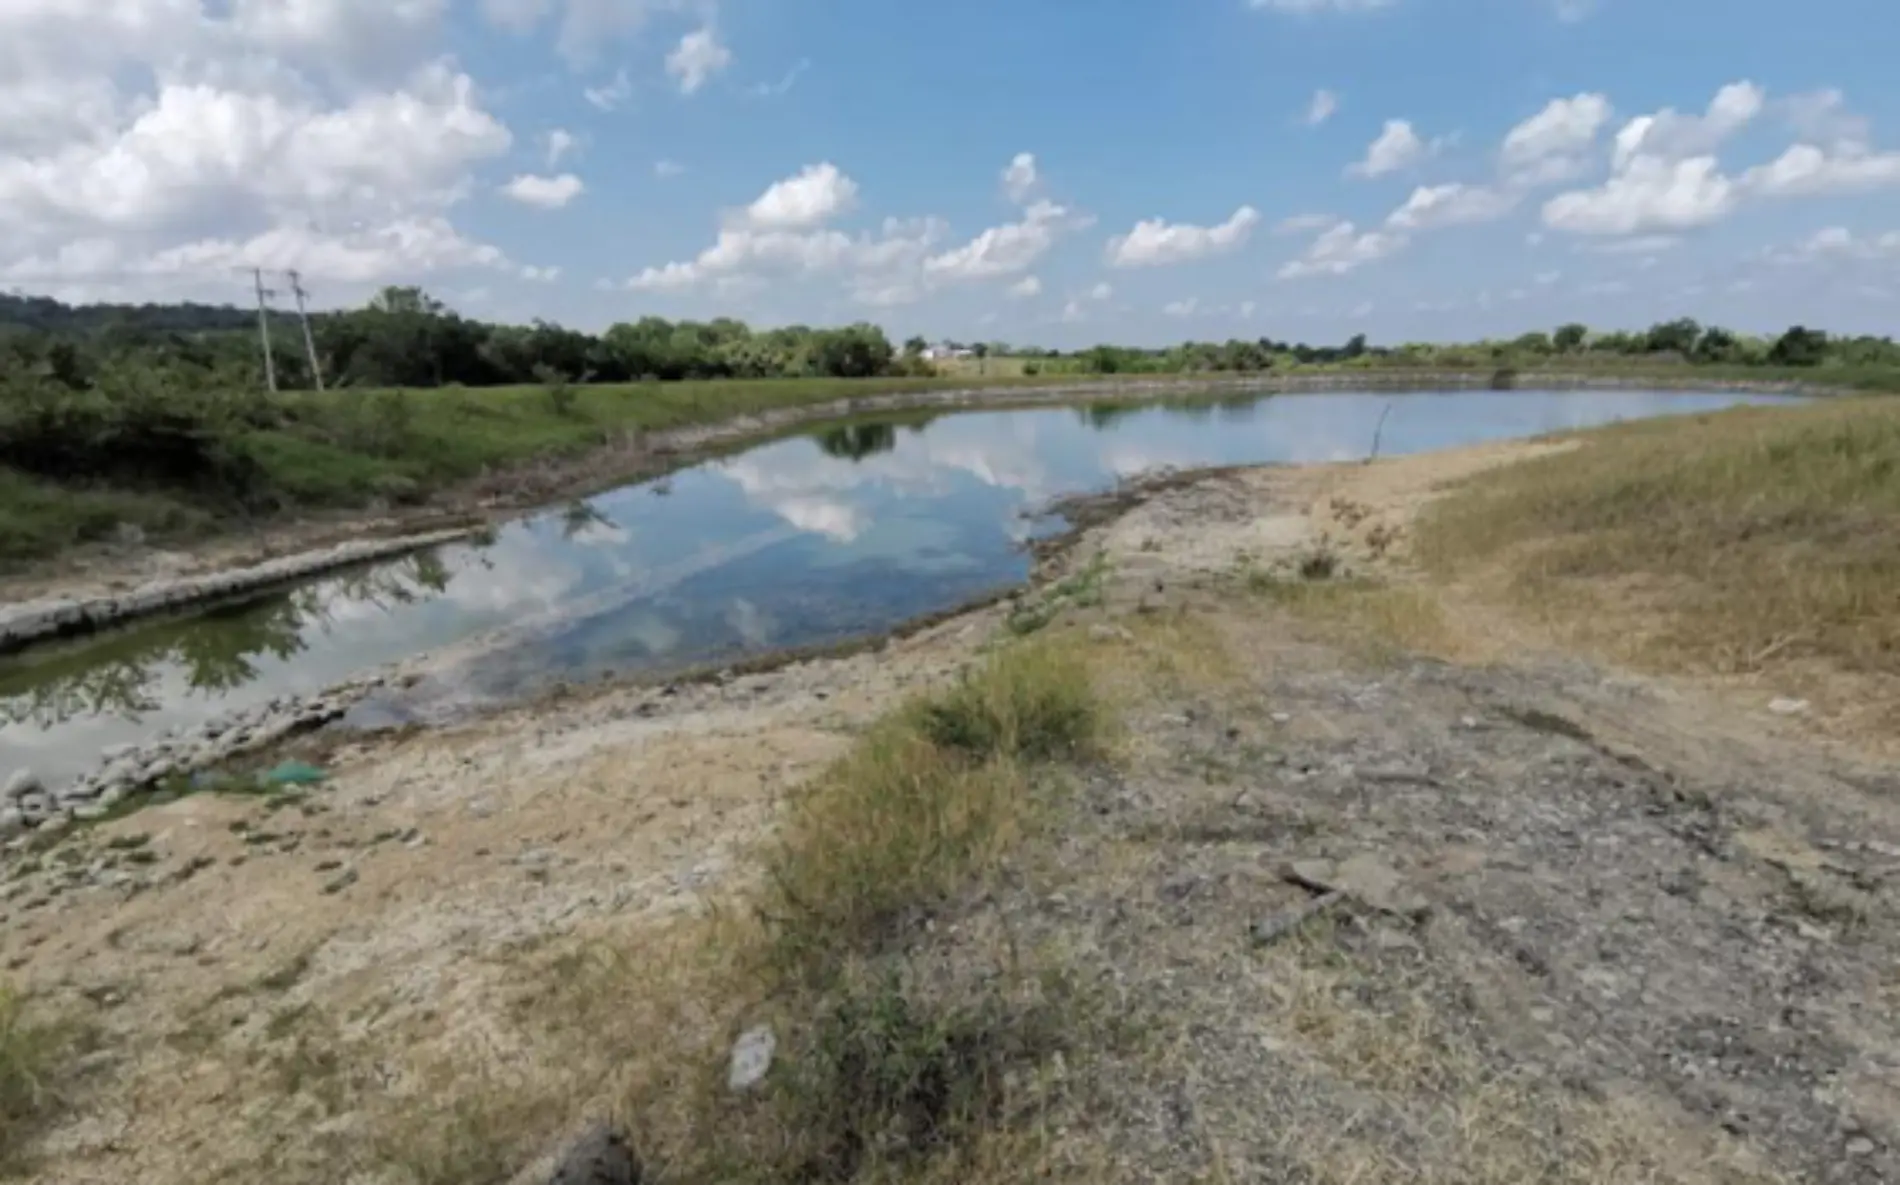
[
  {"x": 309, "y": 343},
  {"x": 263, "y": 328}
]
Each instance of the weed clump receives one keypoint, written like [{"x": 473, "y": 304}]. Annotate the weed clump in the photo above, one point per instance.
[{"x": 35, "y": 1069}]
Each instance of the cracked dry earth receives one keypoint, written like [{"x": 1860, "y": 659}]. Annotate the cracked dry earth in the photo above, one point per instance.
[{"x": 1624, "y": 930}]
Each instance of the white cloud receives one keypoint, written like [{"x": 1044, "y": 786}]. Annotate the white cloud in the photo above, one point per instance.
[
  {"x": 815, "y": 195},
  {"x": 884, "y": 268},
  {"x": 1026, "y": 287},
  {"x": 1341, "y": 249},
  {"x": 1073, "y": 313},
  {"x": 1822, "y": 117},
  {"x": 1246, "y": 309},
  {"x": 540, "y": 275},
  {"x": 1103, "y": 290},
  {"x": 1572, "y": 11},
  {"x": 406, "y": 248},
  {"x": 698, "y": 56},
  {"x": 560, "y": 143},
  {"x": 1182, "y": 308},
  {"x": 1839, "y": 243},
  {"x": 549, "y": 193},
  {"x": 1020, "y": 178},
  {"x": 772, "y": 90},
  {"x": 156, "y": 131},
  {"x": 1398, "y": 147},
  {"x": 1546, "y": 279},
  {"x": 1321, "y": 108},
  {"x": 1452, "y": 205},
  {"x": 1650, "y": 194},
  {"x": 1555, "y": 144},
  {"x": 1671, "y": 136},
  {"x": 667, "y": 168},
  {"x": 1299, "y": 224},
  {"x": 1154, "y": 242},
  {"x": 1805, "y": 171},
  {"x": 611, "y": 96},
  {"x": 1640, "y": 245},
  {"x": 586, "y": 27},
  {"x": 357, "y": 38},
  {"x": 1007, "y": 249}
]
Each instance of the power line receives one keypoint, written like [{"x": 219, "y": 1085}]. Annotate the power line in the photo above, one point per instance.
[
  {"x": 263, "y": 327},
  {"x": 309, "y": 342}
]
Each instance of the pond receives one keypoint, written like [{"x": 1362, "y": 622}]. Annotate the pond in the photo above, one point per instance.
[{"x": 842, "y": 532}]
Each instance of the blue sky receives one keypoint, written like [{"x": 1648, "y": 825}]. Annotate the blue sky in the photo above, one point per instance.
[{"x": 1055, "y": 173}]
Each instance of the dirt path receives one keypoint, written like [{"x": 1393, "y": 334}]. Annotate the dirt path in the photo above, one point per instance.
[{"x": 1604, "y": 929}]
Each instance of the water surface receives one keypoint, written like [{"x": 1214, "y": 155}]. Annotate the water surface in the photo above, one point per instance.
[{"x": 809, "y": 539}]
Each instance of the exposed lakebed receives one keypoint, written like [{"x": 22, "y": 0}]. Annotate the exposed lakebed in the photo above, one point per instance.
[{"x": 815, "y": 538}]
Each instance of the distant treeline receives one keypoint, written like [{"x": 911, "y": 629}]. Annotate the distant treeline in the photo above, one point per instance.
[{"x": 406, "y": 338}]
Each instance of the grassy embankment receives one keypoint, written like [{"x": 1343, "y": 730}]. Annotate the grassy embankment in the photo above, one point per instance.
[
  {"x": 182, "y": 466},
  {"x": 1753, "y": 542}
]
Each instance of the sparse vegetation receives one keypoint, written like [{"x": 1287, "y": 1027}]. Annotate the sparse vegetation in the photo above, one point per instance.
[
  {"x": 1729, "y": 543},
  {"x": 36, "y": 1068},
  {"x": 1080, "y": 590}
]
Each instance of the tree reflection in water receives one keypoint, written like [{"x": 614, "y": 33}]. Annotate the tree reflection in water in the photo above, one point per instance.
[
  {"x": 218, "y": 650},
  {"x": 857, "y": 441}
]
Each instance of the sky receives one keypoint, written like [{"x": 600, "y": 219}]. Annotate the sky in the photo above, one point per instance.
[{"x": 1056, "y": 173}]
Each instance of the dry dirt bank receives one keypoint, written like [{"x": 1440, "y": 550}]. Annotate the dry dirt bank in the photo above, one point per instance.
[{"x": 1601, "y": 929}]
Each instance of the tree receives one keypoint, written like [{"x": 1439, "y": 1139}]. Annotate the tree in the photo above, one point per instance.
[
  {"x": 1532, "y": 343},
  {"x": 1799, "y": 347},
  {"x": 854, "y": 352},
  {"x": 856, "y": 441},
  {"x": 982, "y": 352},
  {"x": 1569, "y": 338},
  {"x": 915, "y": 347},
  {"x": 1673, "y": 337},
  {"x": 1716, "y": 345}
]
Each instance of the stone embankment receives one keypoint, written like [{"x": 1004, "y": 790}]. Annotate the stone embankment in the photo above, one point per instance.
[
  {"x": 33, "y": 621},
  {"x": 28, "y": 804}
]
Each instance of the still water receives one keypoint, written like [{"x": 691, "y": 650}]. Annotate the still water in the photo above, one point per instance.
[{"x": 813, "y": 538}]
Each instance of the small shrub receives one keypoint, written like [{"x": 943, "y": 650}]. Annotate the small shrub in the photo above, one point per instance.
[
  {"x": 1031, "y": 703},
  {"x": 892, "y": 1077},
  {"x": 923, "y": 806},
  {"x": 33, "y": 1066},
  {"x": 1321, "y": 564},
  {"x": 557, "y": 389}
]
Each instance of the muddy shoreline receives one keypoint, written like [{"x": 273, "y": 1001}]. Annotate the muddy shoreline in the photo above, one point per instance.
[{"x": 28, "y": 805}]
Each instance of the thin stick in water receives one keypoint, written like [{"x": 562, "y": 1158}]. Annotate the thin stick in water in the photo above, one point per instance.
[{"x": 1378, "y": 432}]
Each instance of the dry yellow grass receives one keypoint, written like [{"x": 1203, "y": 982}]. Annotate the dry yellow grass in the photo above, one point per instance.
[
  {"x": 1377, "y": 620},
  {"x": 1729, "y": 543}
]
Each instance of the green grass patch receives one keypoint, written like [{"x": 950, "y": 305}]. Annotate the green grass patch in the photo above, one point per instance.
[{"x": 926, "y": 804}]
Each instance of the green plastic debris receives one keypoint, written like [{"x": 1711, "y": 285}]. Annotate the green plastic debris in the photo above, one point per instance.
[{"x": 295, "y": 773}]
